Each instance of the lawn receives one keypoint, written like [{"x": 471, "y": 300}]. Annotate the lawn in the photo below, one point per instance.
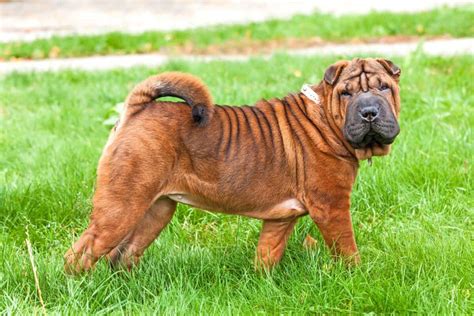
[
  {"x": 412, "y": 211},
  {"x": 300, "y": 30}
]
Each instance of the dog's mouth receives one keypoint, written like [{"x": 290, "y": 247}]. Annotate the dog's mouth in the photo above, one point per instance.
[{"x": 371, "y": 138}]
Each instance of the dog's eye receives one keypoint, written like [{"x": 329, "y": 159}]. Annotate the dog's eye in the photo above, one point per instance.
[
  {"x": 346, "y": 93},
  {"x": 384, "y": 87}
]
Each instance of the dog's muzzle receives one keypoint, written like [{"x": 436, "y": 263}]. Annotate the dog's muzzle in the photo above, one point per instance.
[{"x": 370, "y": 121}]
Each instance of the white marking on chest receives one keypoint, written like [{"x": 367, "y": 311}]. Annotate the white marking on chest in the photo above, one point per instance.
[
  {"x": 292, "y": 204},
  {"x": 287, "y": 208},
  {"x": 181, "y": 198}
]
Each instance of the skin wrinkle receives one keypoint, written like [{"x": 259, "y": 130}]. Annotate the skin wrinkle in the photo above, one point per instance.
[
  {"x": 249, "y": 127},
  {"x": 260, "y": 128},
  {"x": 220, "y": 139},
  {"x": 237, "y": 125},
  {"x": 312, "y": 170},
  {"x": 275, "y": 118},
  {"x": 337, "y": 129},
  {"x": 272, "y": 111},
  {"x": 298, "y": 147},
  {"x": 309, "y": 140},
  {"x": 317, "y": 129},
  {"x": 276, "y": 138},
  {"x": 394, "y": 104},
  {"x": 294, "y": 118},
  {"x": 258, "y": 113},
  {"x": 300, "y": 103},
  {"x": 290, "y": 149},
  {"x": 363, "y": 82},
  {"x": 229, "y": 141},
  {"x": 342, "y": 109}
]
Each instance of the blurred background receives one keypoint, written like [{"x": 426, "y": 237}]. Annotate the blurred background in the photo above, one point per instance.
[
  {"x": 30, "y": 19},
  {"x": 47, "y": 29}
]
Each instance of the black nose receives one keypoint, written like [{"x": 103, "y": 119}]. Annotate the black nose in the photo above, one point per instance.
[{"x": 369, "y": 113}]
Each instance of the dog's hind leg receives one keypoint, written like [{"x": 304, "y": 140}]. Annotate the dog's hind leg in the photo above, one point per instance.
[
  {"x": 125, "y": 191},
  {"x": 272, "y": 242},
  {"x": 131, "y": 248},
  {"x": 111, "y": 220}
]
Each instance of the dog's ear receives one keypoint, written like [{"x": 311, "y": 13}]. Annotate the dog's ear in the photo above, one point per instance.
[
  {"x": 332, "y": 73},
  {"x": 391, "y": 68}
]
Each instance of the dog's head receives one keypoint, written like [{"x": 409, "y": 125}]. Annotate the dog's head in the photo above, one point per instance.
[{"x": 364, "y": 102}]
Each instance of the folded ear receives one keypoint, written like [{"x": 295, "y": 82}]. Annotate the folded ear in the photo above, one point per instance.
[
  {"x": 332, "y": 73},
  {"x": 391, "y": 68}
]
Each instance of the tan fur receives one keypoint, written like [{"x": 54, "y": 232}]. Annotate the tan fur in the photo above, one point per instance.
[
  {"x": 195, "y": 92},
  {"x": 277, "y": 160}
]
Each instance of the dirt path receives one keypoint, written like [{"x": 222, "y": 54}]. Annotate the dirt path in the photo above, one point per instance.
[{"x": 443, "y": 47}]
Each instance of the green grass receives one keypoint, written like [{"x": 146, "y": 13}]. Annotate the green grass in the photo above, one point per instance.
[
  {"x": 455, "y": 22},
  {"x": 412, "y": 211}
]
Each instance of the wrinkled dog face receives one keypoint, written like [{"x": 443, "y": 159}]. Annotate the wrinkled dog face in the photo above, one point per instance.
[{"x": 366, "y": 92}]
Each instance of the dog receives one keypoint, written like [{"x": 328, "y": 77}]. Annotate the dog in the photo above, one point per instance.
[{"x": 276, "y": 161}]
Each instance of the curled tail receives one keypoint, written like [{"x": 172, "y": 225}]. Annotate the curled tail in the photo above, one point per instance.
[{"x": 173, "y": 84}]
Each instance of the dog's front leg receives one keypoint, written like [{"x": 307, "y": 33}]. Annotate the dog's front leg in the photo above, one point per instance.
[
  {"x": 272, "y": 242},
  {"x": 331, "y": 213}
]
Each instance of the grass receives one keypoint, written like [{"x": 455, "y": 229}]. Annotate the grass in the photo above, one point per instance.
[
  {"x": 455, "y": 22},
  {"x": 412, "y": 211}
]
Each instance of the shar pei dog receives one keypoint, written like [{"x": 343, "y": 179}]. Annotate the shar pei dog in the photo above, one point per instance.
[{"x": 277, "y": 160}]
